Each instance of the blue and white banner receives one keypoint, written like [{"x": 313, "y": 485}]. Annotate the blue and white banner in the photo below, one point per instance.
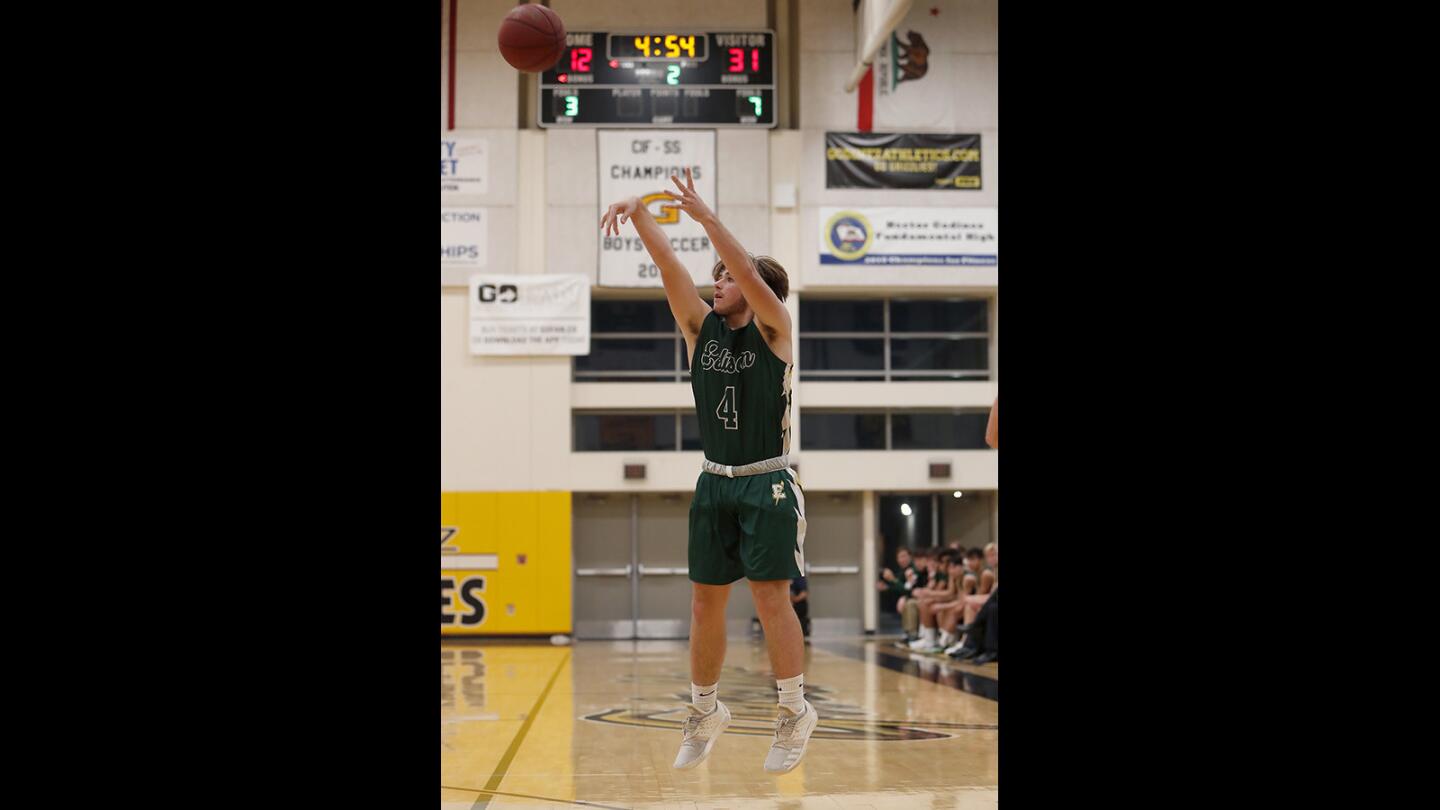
[
  {"x": 464, "y": 166},
  {"x": 463, "y": 238},
  {"x": 910, "y": 237}
]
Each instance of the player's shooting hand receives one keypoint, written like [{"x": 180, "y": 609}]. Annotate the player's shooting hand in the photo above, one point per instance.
[
  {"x": 617, "y": 215},
  {"x": 689, "y": 200}
]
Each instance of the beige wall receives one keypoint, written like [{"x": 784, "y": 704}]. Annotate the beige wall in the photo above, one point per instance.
[{"x": 505, "y": 423}]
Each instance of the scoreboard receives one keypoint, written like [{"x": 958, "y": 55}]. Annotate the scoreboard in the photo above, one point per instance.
[{"x": 661, "y": 78}]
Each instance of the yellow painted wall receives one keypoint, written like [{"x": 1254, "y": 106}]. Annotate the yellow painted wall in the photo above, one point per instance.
[{"x": 525, "y": 589}]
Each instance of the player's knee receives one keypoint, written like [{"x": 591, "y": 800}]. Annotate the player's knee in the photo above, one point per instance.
[{"x": 707, "y": 601}]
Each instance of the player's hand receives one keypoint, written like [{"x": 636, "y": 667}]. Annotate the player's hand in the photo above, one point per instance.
[
  {"x": 617, "y": 215},
  {"x": 880, "y": 586},
  {"x": 689, "y": 200},
  {"x": 888, "y": 575}
]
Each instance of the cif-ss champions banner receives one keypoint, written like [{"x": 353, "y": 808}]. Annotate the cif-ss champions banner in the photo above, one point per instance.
[
  {"x": 944, "y": 237},
  {"x": 639, "y": 163},
  {"x": 907, "y": 160}
]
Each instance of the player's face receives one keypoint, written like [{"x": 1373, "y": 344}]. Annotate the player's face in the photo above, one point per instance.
[
  {"x": 992, "y": 556},
  {"x": 728, "y": 297},
  {"x": 973, "y": 563},
  {"x": 903, "y": 558}
]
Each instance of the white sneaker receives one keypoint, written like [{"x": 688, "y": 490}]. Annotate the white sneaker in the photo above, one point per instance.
[
  {"x": 954, "y": 648},
  {"x": 792, "y": 734},
  {"x": 946, "y": 640},
  {"x": 922, "y": 643},
  {"x": 701, "y": 732}
]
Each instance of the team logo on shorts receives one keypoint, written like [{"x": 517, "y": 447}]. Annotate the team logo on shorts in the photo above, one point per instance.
[{"x": 778, "y": 490}]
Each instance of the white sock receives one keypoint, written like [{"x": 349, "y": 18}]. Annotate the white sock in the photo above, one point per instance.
[
  {"x": 946, "y": 639},
  {"x": 704, "y": 702},
  {"x": 792, "y": 693},
  {"x": 927, "y": 633}
]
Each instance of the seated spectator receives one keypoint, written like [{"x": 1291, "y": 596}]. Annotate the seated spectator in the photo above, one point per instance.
[
  {"x": 931, "y": 601},
  {"x": 982, "y": 636},
  {"x": 896, "y": 580},
  {"x": 972, "y": 604},
  {"x": 977, "y": 580}
]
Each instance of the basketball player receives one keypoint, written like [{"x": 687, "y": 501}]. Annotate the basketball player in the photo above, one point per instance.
[{"x": 748, "y": 515}]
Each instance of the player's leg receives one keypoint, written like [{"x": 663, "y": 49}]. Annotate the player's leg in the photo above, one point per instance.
[
  {"x": 783, "y": 638},
  {"x": 772, "y": 546},
  {"x": 707, "y": 635},
  {"x": 714, "y": 564}
]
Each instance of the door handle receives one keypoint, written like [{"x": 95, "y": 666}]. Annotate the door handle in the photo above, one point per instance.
[
  {"x": 603, "y": 572},
  {"x": 650, "y": 570}
]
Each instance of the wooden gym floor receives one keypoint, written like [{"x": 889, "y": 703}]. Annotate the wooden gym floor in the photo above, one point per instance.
[{"x": 597, "y": 724}]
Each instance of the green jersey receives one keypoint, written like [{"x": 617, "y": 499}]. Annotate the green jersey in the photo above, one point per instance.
[{"x": 742, "y": 394}]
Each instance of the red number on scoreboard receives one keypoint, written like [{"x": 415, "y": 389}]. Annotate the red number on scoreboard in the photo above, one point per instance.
[
  {"x": 580, "y": 60},
  {"x": 755, "y": 61},
  {"x": 737, "y": 60}
]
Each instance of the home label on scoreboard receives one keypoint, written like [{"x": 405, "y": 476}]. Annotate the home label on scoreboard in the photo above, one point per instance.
[{"x": 661, "y": 78}]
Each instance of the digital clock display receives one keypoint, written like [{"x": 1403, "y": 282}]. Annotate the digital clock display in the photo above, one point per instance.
[
  {"x": 690, "y": 47},
  {"x": 661, "y": 79}
]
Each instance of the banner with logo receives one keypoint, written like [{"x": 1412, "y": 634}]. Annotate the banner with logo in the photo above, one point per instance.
[
  {"x": 639, "y": 163},
  {"x": 464, "y": 166},
  {"x": 943, "y": 237},
  {"x": 917, "y": 71},
  {"x": 909, "y": 160},
  {"x": 529, "y": 314}
]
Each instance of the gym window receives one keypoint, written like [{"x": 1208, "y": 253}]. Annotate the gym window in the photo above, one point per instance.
[
  {"x": 635, "y": 431},
  {"x": 894, "y": 339},
  {"x": 952, "y": 429},
  {"x": 632, "y": 341}
]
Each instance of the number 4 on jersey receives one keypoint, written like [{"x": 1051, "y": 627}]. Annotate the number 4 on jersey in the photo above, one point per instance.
[{"x": 726, "y": 411}]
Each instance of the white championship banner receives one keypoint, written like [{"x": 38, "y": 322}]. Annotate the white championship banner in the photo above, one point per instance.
[
  {"x": 529, "y": 314},
  {"x": 909, "y": 237},
  {"x": 462, "y": 238},
  {"x": 639, "y": 163},
  {"x": 464, "y": 166}
]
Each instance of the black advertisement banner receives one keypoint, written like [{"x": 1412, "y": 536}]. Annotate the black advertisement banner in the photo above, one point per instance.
[{"x": 908, "y": 160}]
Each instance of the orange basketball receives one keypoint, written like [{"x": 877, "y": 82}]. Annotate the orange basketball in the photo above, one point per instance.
[{"x": 532, "y": 37}]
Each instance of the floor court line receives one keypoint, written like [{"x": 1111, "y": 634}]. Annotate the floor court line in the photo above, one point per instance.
[{"x": 504, "y": 765}]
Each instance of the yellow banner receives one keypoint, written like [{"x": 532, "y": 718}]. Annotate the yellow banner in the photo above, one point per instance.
[{"x": 504, "y": 563}]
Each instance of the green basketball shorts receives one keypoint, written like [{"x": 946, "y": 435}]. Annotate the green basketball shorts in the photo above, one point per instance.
[{"x": 750, "y": 526}]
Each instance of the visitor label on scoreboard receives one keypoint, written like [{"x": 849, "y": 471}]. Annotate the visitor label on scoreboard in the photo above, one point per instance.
[
  {"x": 464, "y": 166},
  {"x": 639, "y": 163},
  {"x": 529, "y": 314},
  {"x": 462, "y": 237},
  {"x": 910, "y": 160},
  {"x": 946, "y": 237}
]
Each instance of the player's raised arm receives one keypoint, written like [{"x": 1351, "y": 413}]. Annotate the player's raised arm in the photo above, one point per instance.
[
  {"x": 769, "y": 310},
  {"x": 992, "y": 430},
  {"x": 686, "y": 304}
]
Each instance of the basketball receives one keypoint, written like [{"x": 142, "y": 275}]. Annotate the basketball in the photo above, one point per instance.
[{"x": 532, "y": 38}]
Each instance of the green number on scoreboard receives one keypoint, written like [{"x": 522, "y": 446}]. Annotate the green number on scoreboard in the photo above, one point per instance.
[
  {"x": 572, "y": 106},
  {"x": 757, "y": 101}
]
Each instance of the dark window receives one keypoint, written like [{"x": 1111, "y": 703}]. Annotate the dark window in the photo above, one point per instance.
[
  {"x": 631, "y": 341},
  {"x": 630, "y": 316},
  {"x": 964, "y": 430},
  {"x": 959, "y": 354},
  {"x": 689, "y": 432},
  {"x": 629, "y": 354},
  {"x": 842, "y": 316},
  {"x": 842, "y": 431},
  {"x": 938, "y": 316},
  {"x": 841, "y": 354},
  {"x": 924, "y": 339},
  {"x": 602, "y": 432}
]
